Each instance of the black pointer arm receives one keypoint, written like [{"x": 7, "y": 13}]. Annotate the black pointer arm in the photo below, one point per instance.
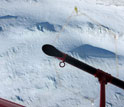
[{"x": 52, "y": 51}]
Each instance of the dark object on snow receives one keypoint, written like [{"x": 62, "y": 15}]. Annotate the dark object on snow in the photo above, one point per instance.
[{"x": 102, "y": 76}]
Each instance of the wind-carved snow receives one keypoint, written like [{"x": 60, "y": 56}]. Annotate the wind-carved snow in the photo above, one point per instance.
[
  {"x": 31, "y": 78},
  {"x": 8, "y": 17},
  {"x": 1, "y": 29},
  {"x": 108, "y": 104},
  {"x": 50, "y": 27},
  {"x": 111, "y": 2},
  {"x": 90, "y": 51},
  {"x": 120, "y": 97}
]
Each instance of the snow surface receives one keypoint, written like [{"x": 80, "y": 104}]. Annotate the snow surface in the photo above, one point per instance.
[{"x": 31, "y": 78}]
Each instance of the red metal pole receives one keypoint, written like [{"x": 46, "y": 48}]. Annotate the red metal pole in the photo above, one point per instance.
[
  {"x": 102, "y": 94},
  {"x": 6, "y": 103},
  {"x": 104, "y": 78}
]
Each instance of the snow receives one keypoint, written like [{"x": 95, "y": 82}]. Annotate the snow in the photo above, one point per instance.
[{"x": 31, "y": 78}]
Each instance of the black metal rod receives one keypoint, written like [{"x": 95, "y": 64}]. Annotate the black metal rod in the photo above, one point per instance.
[
  {"x": 80, "y": 65},
  {"x": 52, "y": 51}
]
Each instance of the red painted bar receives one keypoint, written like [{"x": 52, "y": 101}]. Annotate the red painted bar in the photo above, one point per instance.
[{"x": 6, "y": 103}]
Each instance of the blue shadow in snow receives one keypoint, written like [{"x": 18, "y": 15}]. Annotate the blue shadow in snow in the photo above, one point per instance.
[
  {"x": 46, "y": 25},
  {"x": 85, "y": 51},
  {"x": 8, "y": 17},
  {"x": 90, "y": 25},
  {"x": 19, "y": 98},
  {"x": 1, "y": 29}
]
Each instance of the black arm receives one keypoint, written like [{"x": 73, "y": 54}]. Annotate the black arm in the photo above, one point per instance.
[{"x": 52, "y": 51}]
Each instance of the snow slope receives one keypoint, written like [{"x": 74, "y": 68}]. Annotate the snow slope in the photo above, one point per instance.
[{"x": 31, "y": 78}]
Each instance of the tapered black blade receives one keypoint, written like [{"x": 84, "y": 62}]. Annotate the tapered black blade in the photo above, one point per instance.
[{"x": 51, "y": 51}]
